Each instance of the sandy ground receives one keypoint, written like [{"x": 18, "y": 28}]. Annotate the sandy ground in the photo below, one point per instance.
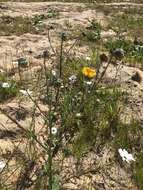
[{"x": 13, "y": 47}]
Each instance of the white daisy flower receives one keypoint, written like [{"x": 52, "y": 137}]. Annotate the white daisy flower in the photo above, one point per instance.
[
  {"x": 72, "y": 79},
  {"x": 54, "y": 73},
  {"x": 6, "y": 85},
  {"x": 88, "y": 82},
  {"x": 54, "y": 130},
  {"x": 26, "y": 92},
  {"x": 87, "y": 58},
  {"x": 2, "y": 165},
  {"x": 78, "y": 115},
  {"x": 98, "y": 100},
  {"x": 125, "y": 155}
]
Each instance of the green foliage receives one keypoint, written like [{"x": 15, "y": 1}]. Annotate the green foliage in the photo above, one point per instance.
[
  {"x": 52, "y": 13},
  {"x": 89, "y": 114},
  {"x": 17, "y": 25},
  {"x": 128, "y": 136},
  {"x": 56, "y": 185},
  {"x": 99, "y": 111},
  {"x": 92, "y": 32},
  {"x": 138, "y": 171},
  {"x": 38, "y": 18},
  {"x": 119, "y": 43},
  {"x": 84, "y": 140},
  {"x": 130, "y": 23},
  {"x": 134, "y": 53},
  {"x": 8, "y": 92}
]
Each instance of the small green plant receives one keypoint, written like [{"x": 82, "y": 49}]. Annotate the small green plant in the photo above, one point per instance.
[
  {"x": 133, "y": 53},
  {"x": 84, "y": 105},
  {"x": 93, "y": 31},
  {"x": 7, "y": 93},
  {"x": 127, "y": 46},
  {"x": 37, "y": 19},
  {"x": 128, "y": 135},
  {"x": 52, "y": 13},
  {"x": 18, "y": 25},
  {"x": 8, "y": 89}
]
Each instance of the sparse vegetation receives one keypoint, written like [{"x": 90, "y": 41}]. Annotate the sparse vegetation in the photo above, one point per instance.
[
  {"x": 72, "y": 109},
  {"x": 8, "y": 89},
  {"x": 18, "y": 25},
  {"x": 134, "y": 52},
  {"x": 92, "y": 32},
  {"x": 139, "y": 171}
]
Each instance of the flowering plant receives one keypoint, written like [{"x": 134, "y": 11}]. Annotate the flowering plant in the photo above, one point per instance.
[{"x": 88, "y": 72}]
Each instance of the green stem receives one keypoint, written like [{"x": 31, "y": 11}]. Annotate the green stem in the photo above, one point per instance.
[
  {"x": 19, "y": 73},
  {"x": 50, "y": 153},
  {"x": 61, "y": 58},
  {"x": 49, "y": 125}
]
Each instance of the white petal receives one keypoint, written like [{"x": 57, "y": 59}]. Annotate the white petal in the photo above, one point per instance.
[
  {"x": 88, "y": 82},
  {"x": 5, "y": 85},
  {"x": 88, "y": 58},
  {"x": 120, "y": 151},
  {"x": 54, "y": 130},
  {"x": 130, "y": 157},
  {"x": 78, "y": 115},
  {"x": 73, "y": 78},
  {"x": 2, "y": 165},
  {"x": 25, "y": 92},
  {"x": 125, "y": 155},
  {"x": 54, "y": 73}
]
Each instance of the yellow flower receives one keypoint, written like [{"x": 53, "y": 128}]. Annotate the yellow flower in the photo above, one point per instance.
[{"x": 88, "y": 72}]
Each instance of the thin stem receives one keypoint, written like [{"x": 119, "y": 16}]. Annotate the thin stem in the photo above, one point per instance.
[
  {"x": 22, "y": 128},
  {"x": 50, "y": 156},
  {"x": 74, "y": 43},
  {"x": 49, "y": 39},
  {"x": 49, "y": 125},
  {"x": 19, "y": 72},
  {"x": 13, "y": 120},
  {"x": 61, "y": 57}
]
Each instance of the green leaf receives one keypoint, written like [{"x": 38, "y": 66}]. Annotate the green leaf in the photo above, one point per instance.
[{"x": 56, "y": 184}]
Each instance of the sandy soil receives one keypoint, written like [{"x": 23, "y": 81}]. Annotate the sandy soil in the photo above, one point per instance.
[{"x": 13, "y": 47}]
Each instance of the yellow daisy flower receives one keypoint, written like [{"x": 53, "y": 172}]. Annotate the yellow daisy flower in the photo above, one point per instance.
[{"x": 88, "y": 72}]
